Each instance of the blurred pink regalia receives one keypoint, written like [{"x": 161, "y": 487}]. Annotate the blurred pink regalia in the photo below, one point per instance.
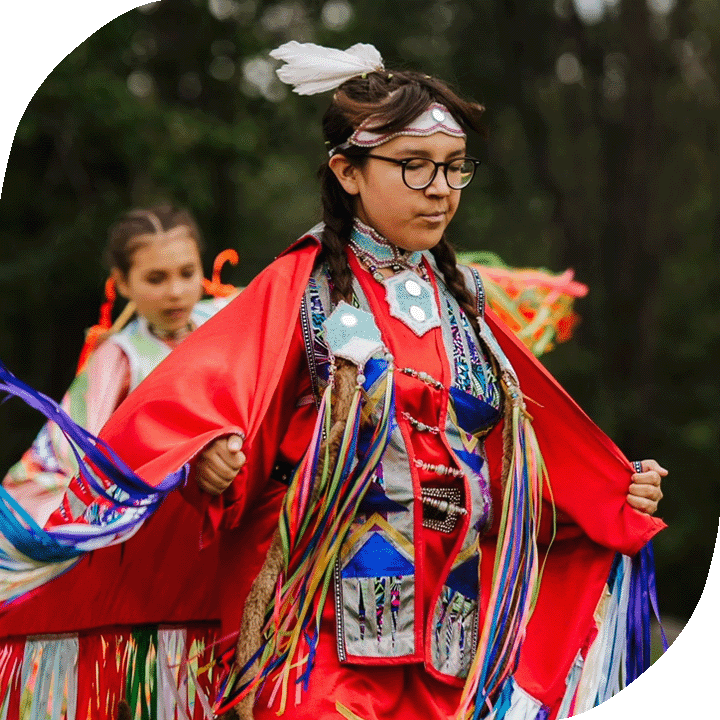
[{"x": 115, "y": 358}]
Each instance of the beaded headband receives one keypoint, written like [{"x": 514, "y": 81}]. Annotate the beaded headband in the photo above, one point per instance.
[
  {"x": 311, "y": 69},
  {"x": 436, "y": 118}
]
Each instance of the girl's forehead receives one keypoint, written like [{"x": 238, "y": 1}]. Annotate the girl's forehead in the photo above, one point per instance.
[
  {"x": 174, "y": 246},
  {"x": 438, "y": 143}
]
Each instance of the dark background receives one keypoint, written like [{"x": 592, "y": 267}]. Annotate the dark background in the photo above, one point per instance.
[{"x": 603, "y": 156}]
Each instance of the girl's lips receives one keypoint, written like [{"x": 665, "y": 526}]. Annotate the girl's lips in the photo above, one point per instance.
[
  {"x": 174, "y": 312},
  {"x": 433, "y": 217}
]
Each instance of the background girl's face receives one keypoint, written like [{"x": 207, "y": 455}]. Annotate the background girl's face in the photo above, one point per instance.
[
  {"x": 410, "y": 219},
  {"x": 165, "y": 279}
]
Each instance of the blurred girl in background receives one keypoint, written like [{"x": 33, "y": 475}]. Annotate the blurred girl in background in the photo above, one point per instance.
[{"x": 154, "y": 255}]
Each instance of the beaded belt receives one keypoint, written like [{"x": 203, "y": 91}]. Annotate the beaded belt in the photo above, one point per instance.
[{"x": 441, "y": 508}]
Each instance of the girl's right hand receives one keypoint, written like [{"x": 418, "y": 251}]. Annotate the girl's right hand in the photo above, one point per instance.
[{"x": 219, "y": 463}]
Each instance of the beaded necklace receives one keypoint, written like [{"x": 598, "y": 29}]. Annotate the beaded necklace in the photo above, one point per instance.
[
  {"x": 170, "y": 335},
  {"x": 408, "y": 291},
  {"x": 376, "y": 252}
]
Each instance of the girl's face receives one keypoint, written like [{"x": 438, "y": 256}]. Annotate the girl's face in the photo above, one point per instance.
[
  {"x": 164, "y": 280},
  {"x": 410, "y": 219}
]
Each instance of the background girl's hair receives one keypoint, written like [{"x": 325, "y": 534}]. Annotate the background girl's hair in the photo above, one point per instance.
[
  {"x": 123, "y": 235},
  {"x": 393, "y": 99}
]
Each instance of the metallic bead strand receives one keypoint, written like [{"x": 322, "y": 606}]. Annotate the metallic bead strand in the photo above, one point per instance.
[
  {"x": 438, "y": 469},
  {"x": 421, "y": 426},
  {"x": 423, "y": 377},
  {"x": 443, "y": 506}
]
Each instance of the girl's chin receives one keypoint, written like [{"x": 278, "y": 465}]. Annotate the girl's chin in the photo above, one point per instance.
[{"x": 421, "y": 241}]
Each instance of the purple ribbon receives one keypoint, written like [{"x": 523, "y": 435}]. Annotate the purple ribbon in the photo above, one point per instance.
[
  {"x": 643, "y": 598},
  {"x": 59, "y": 544}
]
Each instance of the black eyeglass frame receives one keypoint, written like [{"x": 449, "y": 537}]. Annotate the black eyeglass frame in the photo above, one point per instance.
[{"x": 445, "y": 165}]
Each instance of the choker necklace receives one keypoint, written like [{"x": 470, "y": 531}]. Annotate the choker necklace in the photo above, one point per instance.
[
  {"x": 171, "y": 334},
  {"x": 408, "y": 292},
  {"x": 376, "y": 252}
]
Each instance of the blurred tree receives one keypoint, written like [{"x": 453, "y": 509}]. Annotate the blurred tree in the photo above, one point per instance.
[{"x": 603, "y": 156}]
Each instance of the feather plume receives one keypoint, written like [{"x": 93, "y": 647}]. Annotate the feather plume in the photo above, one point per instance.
[{"x": 312, "y": 69}]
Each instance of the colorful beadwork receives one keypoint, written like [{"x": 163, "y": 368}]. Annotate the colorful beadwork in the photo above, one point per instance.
[{"x": 376, "y": 252}]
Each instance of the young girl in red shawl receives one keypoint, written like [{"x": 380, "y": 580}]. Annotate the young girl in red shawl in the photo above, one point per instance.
[{"x": 401, "y": 513}]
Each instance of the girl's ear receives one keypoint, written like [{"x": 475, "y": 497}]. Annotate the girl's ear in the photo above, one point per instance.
[
  {"x": 120, "y": 282},
  {"x": 346, "y": 173}
]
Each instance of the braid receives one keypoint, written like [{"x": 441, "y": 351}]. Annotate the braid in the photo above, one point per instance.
[
  {"x": 447, "y": 264},
  {"x": 250, "y": 637},
  {"x": 338, "y": 219}
]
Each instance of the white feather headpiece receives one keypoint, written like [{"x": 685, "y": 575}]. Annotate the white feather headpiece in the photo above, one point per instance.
[{"x": 314, "y": 69}]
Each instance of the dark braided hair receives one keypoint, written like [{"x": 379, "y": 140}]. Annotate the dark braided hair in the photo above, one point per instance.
[{"x": 454, "y": 280}]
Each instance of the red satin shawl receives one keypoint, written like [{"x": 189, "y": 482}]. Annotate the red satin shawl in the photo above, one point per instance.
[{"x": 224, "y": 379}]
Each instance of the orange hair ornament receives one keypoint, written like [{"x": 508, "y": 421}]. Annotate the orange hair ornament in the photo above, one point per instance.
[{"x": 214, "y": 286}]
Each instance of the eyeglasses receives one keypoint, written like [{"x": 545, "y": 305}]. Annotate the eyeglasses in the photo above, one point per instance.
[{"x": 419, "y": 173}]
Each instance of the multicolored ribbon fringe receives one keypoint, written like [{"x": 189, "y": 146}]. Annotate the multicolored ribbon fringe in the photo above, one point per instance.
[
  {"x": 162, "y": 674},
  {"x": 618, "y": 654},
  {"x": 536, "y": 304},
  {"x": 118, "y": 502},
  {"x": 314, "y": 521},
  {"x": 621, "y": 650},
  {"x": 517, "y": 572}
]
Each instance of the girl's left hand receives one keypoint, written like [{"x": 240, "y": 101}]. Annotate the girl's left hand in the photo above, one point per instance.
[{"x": 644, "y": 493}]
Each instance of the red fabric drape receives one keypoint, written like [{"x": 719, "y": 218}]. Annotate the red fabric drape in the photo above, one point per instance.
[{"x": 223, "y": 379}]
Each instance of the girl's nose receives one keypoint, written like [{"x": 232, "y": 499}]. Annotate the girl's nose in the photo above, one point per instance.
[
  {"x": 439, "y": 185},
  {"x": 175, "y": 287}
]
